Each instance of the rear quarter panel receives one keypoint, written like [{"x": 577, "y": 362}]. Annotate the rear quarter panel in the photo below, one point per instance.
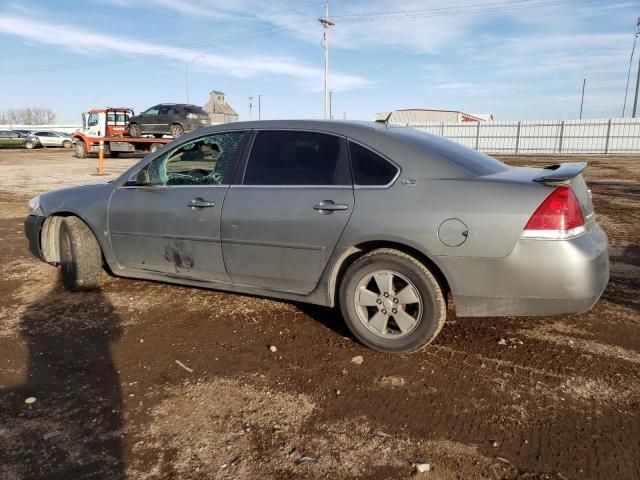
[{"x": 495, "y": 214}]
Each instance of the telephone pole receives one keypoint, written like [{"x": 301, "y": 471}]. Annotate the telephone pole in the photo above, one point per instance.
[
  {"x": 250, "y": 108},
  {"x": 326, "y": 24},
  {"x": 259, "y": 107},
  {"x": 584, "y": 82}
]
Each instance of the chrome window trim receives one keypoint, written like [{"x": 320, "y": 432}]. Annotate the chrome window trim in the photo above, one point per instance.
[
  {"x": 343, "y": 187},
  {"x": 156, "y": 187}
]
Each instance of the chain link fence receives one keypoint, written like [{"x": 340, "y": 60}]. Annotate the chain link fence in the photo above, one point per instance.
[{"x": 612, "y": 135}]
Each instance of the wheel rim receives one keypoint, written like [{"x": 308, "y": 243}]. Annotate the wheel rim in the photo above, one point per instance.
[
  {"x": 176, "y": 130},
  {"x": 79, "y": 150},
  {"x": 388, "y": 304}
]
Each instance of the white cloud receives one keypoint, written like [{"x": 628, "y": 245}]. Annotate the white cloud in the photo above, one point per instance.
[{"x": 76, "y": 39}]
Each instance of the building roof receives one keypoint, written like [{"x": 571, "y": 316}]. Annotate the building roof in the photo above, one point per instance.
[{"x": 413, "y": 115}]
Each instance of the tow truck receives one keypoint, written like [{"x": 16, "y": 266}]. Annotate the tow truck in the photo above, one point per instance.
[{"x": 106, "y": 128}]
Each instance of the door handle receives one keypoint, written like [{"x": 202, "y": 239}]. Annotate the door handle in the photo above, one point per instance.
[
  {"x": 328, "y": 206},
  {"x": 200, "y": 203}
]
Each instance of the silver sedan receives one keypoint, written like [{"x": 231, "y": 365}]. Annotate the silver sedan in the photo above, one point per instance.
[
  {"x": 387, "y": 223},
  {"x": 47, "y": 138}
]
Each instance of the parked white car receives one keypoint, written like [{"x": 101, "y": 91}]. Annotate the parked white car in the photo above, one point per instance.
[{"x": 52, "y": 139}]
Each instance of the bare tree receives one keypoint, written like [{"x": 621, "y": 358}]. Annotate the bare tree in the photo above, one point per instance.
[{"x": 28, "y": 116}]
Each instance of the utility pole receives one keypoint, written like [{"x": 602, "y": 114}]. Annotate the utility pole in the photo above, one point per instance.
[
  {"x": 330, "y": 105},
  {"x": 633, "y": 49},
  {"x": 584, "y": 82},
  {"x": 250, "y": 108},
  {"x": 259, "y": 107},
  {"x": 326, "y": 24},
  {"x": 186, "y": 73}
]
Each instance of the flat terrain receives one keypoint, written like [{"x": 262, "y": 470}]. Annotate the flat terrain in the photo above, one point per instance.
[{"x": 494, "y": 398}]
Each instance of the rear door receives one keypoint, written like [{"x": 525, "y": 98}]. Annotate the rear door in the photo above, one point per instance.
[
  {"x": 281, "y": 225},
  {"x": 169, "y": 222},
  {"x": 47, "y": 139}
]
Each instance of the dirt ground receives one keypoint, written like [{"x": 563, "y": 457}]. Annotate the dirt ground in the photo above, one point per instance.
[{"x": 494, "y": 398}]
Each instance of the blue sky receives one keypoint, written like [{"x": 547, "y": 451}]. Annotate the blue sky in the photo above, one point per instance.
[{"x": 480, "y": 56}]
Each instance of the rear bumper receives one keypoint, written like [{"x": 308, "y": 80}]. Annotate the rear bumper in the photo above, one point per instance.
[
  {"x": 539, "y": 277},
  {"x": 32, "y": 229}
]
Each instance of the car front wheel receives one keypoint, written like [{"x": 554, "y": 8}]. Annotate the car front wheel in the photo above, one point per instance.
[
  {"x": 80, "y": 255},
  {"x": 391, "y": 302},
  {"x": 135, "y": 130}
]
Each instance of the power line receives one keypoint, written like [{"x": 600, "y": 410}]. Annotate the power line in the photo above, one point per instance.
[
  {"x": 179, "y": 32},
  {"x": 233, "y": 39},
  {"x": 449, "y": 11}
]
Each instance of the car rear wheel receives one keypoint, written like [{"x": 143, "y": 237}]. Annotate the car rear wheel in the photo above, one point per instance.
[
  {"x": 80, "y": 256},
  {"x": 135, "y": 130},
  {"x": 67, "y": 144},
  {"x": 176, "y": 130},
  {"x": 30, "y": 144},
  {"x": 391, "y": 302},
  {"x": 80, "y": 149}
]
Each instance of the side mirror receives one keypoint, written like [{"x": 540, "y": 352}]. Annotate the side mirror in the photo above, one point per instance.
[{"x": 139, "y": 178}]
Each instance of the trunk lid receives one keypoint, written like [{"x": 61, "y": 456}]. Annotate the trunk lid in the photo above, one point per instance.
[{"x": 550, "y": 177}]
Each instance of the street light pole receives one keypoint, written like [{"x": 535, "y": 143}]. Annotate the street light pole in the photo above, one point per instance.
[
  {"x": 259, "y": 107},
  {"x": 250, "y": 108},
  {"x": 326, "y": 23},
  {"x": 330, "y": 105},
  {"x": 584, "y": 82},
  {"x": 186, "y": 73}
]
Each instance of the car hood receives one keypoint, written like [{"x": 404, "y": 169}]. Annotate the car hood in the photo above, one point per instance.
[{"x": 75, "y": 199}]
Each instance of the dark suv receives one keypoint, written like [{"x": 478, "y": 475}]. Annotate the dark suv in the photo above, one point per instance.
[{"x": 168, "y": 118}]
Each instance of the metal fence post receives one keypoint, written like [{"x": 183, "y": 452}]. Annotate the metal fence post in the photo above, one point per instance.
[
  {"x": 518, "y": 137},
  {"x": 561, "y": 136},
  {"x": 606, "y": 145},
  {"x": 442, "y": 129},
  {"x": 478, "y": 137}
]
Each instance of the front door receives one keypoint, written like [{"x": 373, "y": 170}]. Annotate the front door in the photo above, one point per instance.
[
  {"x": 149, "y": 120},
  {"x": 166, "y": 219},
  {"x": 280, "y": 226}
]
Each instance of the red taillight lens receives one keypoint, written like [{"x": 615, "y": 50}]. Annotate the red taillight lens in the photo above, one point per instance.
[{"x": 559, "y": 216}]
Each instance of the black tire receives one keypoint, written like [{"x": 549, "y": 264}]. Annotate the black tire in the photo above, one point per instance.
[
  {"x": 433, "y": 311},
  {"x": 176, "y": 130},
  {"x": 67, "y": 144},
  {"x": 80, "y": 149},
  {"x": 135, "y": 130},
  {"x": 80, "y": 256}
]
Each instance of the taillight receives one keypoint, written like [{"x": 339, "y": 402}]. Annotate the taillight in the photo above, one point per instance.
[{"x": 558, "y": 217}]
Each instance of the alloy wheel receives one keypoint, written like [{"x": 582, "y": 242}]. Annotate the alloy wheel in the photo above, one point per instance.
[{"x": 388, "y": 304}]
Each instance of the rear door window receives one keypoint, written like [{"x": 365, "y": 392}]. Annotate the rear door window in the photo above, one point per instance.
[
  {"x": 369, "y": 168},
  {"x": 297, "y": 158}
]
